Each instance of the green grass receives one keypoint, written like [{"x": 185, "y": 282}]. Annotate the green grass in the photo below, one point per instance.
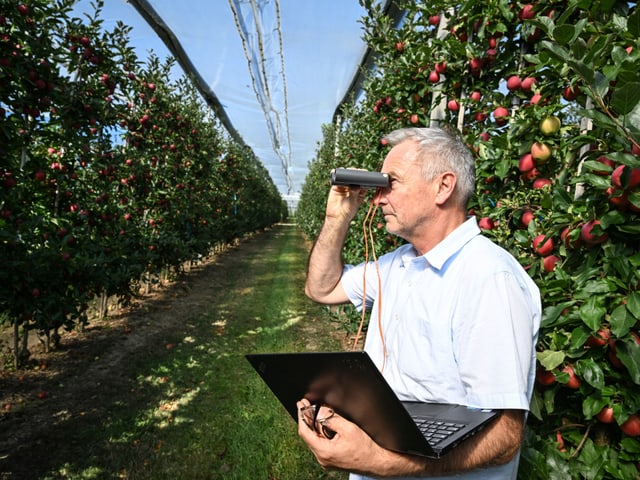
[{"x": 199, "y": 411}]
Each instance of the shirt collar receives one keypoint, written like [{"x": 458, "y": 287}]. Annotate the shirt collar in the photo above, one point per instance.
[{"x": 443, "y": 251}]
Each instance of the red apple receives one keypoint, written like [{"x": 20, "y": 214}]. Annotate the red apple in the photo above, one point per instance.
[
  {"x": 526, "y": 217},
  {"x": 619, "y": 199},
  {"x": 526, "y": 13},
  {"x": 476, "y": 96},
  {"x": 625, "y": 175},
  {"x": 570, "y": 92},
  {"x": 485, "y": 223},
  {"x": 530, "y": 175},
  {"x": 631, "y": 426},
  {"x": 541, "y": 152},
  {"x": 480, "y": 116},
  {"x": 501, "y": 114},
  {"x": 569, "y": 238},
  {"x": 543, "y": 245},
  {"x": 599, "y": 339},
  {"x": 574, "y": 381},
  {"x": 514, "y": 83},
  {"x": 541, "y": 182},
  {"x": 491, "y": 54},
  {"x": 414, "y": 118},
  {"x": 476, "y": 63},
  {"x": 536, "y": 99},
  {"x": 588, "y": 237},
  {"x": 545, "y": 377},
  {"x": 527, "y": 84},
  {"x": 606, "y": 415},
  {"x": 453, "y": 105},
  {"x": 441, "y": 67},
  {"x": 549, "y": 263},
  {"x": 434, "y": 77},
  {"x": 526, "y": 163},
  {"x": 434, "y": 20}
]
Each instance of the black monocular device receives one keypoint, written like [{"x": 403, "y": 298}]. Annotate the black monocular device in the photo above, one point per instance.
[{"x": 350, "y": 177}]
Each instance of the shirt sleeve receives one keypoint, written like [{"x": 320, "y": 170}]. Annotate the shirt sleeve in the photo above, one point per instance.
[{"x": 353, "y": 283}]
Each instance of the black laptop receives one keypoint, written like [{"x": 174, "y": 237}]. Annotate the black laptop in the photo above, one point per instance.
[{"x": 352, "y": 385}]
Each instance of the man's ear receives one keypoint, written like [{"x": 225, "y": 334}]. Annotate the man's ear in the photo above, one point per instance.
[{"x": 446, "y": 187}]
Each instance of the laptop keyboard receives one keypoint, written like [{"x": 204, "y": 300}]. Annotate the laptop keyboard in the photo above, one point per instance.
[{"x": 436, "y": 431}]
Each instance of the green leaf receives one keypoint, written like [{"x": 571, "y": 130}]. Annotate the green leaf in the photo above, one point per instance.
[
  {"x": 578, "y": 337},
  {"x": 621, "y": 322},
  {"x": 633, "y": 304},
  {"x": 592, "y": 313},
  {"x": 596, "y": 49},
  {"x": 613, "y": 217},
  {"x": 633, "y": 24},
  {"x": 579, "y": 48},
  {"x": 625, "y": 98},
  {"x": 550, "y": 359},
  {"x": 592, "y": 287},
  {"x": 628, "y": 352},
  {"x": 593, "y": 458},
  {"x": 554, "y": 50},
  {"x": 549, "y": 400},
  {"x": 592, "y": 405},
  {"x": 544, "y": 23},
  {"x": 591, "y": 372},
  {"x": 563, "y": 34},
  {"x": 600, "y": 84},
  {"x": 551, "y": 314},
  {"x": 630, "y": 445},
  {"x": 632, "y": 229},
  {"x": 619, "y": 55},
  {"x": 598, "y": 181},
  {"x": 535, "y": 406},
  {"x": 585, "y": 71}
]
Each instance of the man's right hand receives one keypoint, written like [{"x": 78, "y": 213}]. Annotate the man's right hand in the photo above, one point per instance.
[{"x": 343, "y": 202}]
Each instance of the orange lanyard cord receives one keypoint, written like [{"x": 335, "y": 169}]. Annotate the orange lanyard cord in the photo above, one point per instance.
[{"x": 368, "y": 237}]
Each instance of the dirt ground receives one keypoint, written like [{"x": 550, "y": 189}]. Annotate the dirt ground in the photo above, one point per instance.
[{"x": 71, "y": 381}]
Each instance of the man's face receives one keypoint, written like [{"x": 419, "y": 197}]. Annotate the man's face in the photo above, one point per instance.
[{"x": 409, "y": 202}]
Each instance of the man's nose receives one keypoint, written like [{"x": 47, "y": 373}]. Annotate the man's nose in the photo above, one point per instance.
[{"x": 379, "y": 198}]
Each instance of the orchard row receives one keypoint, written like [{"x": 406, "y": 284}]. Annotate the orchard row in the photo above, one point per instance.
[
  {"x": 109, "y": 169},
  {"x": 547, "y": 95}
]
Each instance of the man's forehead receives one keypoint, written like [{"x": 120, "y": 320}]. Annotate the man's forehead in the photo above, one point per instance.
[{"x": 401, "y": 158}]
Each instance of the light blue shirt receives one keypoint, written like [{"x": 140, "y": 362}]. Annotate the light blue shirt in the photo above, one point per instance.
[{"x": 459, "y": 325}]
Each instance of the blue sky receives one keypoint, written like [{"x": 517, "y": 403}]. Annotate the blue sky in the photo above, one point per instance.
[{"x": 322, "y": 47}]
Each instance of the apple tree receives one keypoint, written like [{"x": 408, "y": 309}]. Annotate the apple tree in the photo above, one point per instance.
[
  {"x": 111, "y": 170},
  {"x": 547, "y": 95}
]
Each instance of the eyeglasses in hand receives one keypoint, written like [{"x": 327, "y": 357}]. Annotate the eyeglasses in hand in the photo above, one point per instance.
[{"x": 316, "y": 416}]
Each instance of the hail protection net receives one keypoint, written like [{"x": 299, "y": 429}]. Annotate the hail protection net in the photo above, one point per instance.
[{"x": 278, "y": 69}]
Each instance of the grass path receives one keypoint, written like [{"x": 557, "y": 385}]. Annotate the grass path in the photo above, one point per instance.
[{"x": 173, "y": 397}]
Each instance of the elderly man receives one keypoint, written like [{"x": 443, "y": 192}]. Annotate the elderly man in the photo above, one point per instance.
[{"x": 458, "y": 320}]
